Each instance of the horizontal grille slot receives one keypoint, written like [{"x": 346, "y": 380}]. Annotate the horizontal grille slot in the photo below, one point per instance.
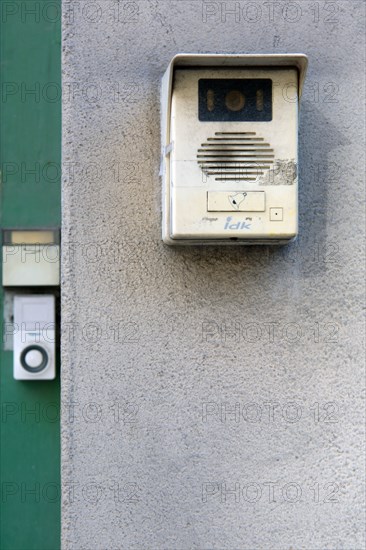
[
  {"x": 240, "y": 145},
  {"x": 234, "y": 133},
  {"x": 245, "y": 154},
  {"x": 236, "y": 148},
  {"x": 236, "y": 163},
  {"x": 223, "y": 155},
  {"x": 236, "y": 138},
  {"x": 247, "y": 172},
  {"x": 235, "y": 156},
  {"x": 235, "y": 178},
  {"x": 242, "y": 173}
]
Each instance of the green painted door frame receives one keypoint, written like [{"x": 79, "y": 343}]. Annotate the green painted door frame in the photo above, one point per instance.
[{"x": 30, "y": 161}]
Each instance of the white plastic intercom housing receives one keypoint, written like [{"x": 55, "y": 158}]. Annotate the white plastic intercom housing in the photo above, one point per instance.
[
  {"x": 229, "y": 148},
  {"x": 34, "y": 337}
]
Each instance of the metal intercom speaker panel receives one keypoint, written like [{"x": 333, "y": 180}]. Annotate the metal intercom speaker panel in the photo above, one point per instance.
[{"x": 230, "y": 148}]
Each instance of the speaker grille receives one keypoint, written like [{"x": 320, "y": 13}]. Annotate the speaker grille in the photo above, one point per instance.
[{"x": 233, "y": 156}]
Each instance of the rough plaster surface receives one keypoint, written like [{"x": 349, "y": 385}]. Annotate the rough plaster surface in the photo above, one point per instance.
[{"x": 283, "y": 337}]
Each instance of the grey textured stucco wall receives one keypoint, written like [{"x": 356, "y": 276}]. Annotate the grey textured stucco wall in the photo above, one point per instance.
[{"x": 212, "y": 397}]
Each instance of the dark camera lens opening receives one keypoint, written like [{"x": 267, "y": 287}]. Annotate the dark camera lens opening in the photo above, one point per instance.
[{"x": 235, "y": 100}]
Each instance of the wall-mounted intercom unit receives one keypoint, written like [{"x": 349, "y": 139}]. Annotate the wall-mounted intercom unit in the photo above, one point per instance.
[
  {"x": 229, "y": 148},
  {"x": 34, "y": 337}
]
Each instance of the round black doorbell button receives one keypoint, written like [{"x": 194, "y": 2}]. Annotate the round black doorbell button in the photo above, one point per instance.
[{"x": 27, "y": 355}]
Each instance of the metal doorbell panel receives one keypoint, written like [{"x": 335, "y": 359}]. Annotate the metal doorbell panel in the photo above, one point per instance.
[
  {"x": 229, "y": 148},
  {"x": 34, "y": 337}
]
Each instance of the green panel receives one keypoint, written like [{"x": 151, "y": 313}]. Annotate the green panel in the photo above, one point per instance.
[
  {"x": 30, "y": 145},
  {"x": 30, "y": 122},
  {"x": 30, "y": 464}
]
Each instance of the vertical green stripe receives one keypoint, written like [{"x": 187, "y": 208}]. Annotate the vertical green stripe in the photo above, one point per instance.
[{"x": 30, "y": 146}]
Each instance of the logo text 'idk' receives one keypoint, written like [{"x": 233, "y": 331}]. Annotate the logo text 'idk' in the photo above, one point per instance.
[{"x": 235, "y": 226}]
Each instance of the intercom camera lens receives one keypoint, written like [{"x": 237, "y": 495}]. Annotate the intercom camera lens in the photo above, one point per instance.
[{"x": 235, "y": 100}]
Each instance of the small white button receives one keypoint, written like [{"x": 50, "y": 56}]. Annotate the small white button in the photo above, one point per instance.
[
  {"x": 34, "y": 358},
  {"x": 276, "y": 214}
]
